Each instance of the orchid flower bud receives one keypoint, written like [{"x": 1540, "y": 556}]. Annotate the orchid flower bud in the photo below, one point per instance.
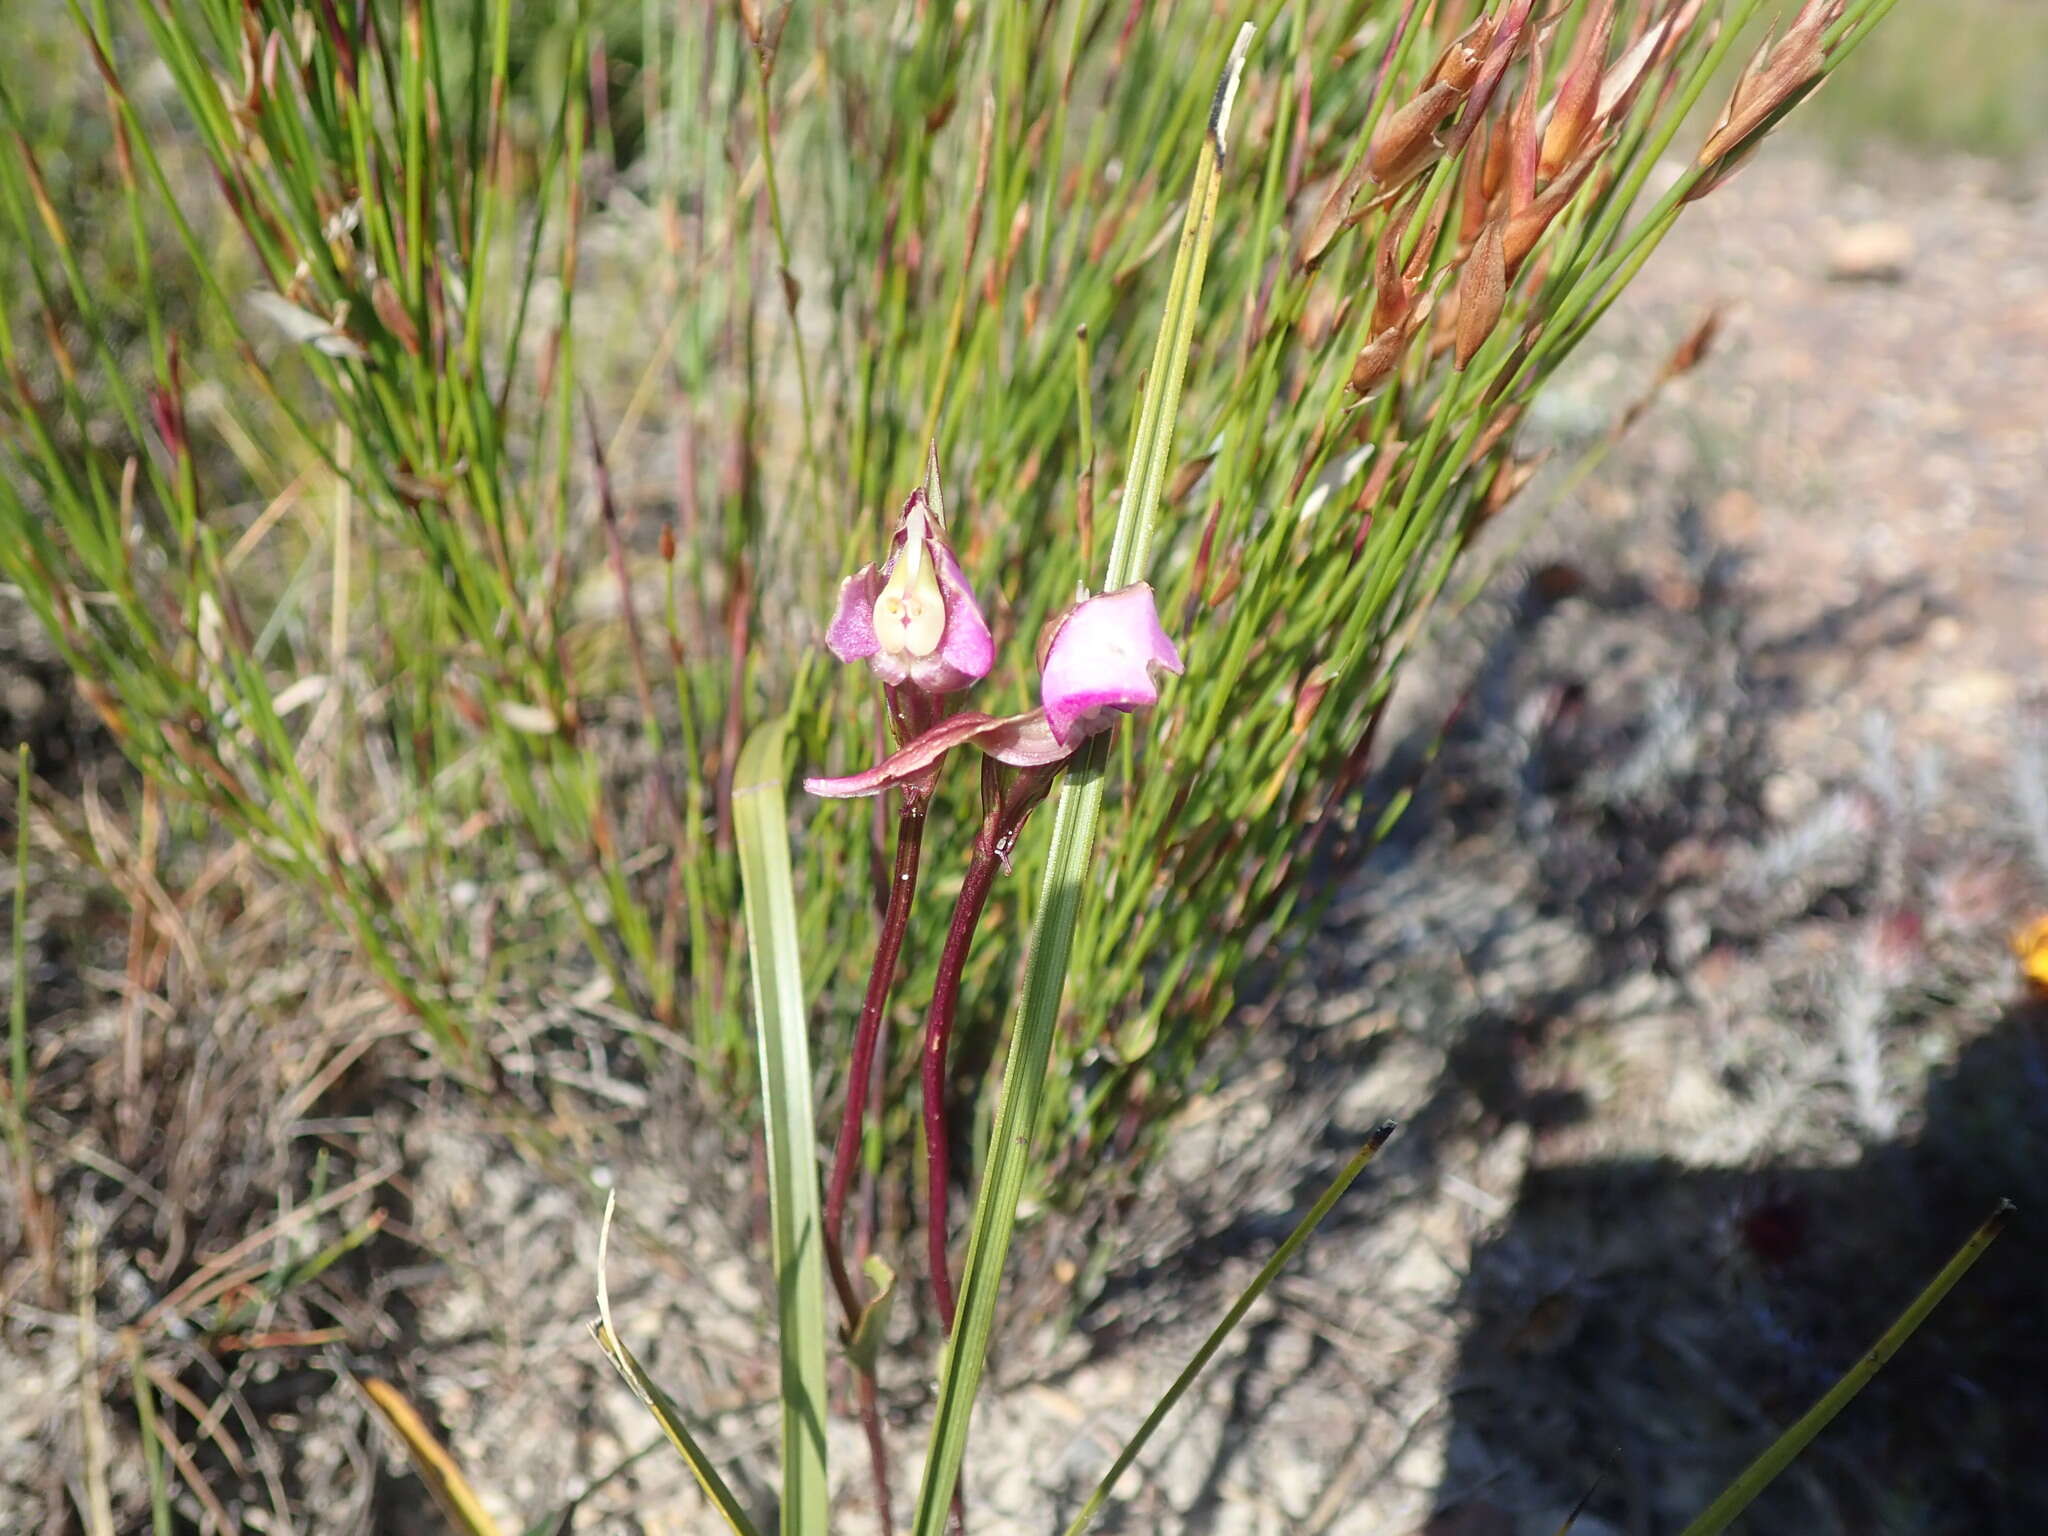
[
  {"x": 914, "y": 619},
  {"x": 1103, "y": 657}
]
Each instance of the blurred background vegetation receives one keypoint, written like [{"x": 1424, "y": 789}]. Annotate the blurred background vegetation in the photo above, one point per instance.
[{"x": 1964, "y": 76}]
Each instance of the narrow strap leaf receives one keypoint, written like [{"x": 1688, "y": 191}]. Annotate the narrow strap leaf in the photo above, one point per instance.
[
  {"x": 1781, "y": 1452},
  {"x": 761, "y": 830},
  {"x": 451, "y": 1490},
  {"x": 1222, "y": 1331}
]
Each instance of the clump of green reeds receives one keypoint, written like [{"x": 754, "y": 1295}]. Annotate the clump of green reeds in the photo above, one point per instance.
[
  {"x": 313, "y": 576},
  {"x": 316, "y": 499}
]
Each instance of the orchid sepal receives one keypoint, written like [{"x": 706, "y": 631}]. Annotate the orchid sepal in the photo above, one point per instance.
[{"x": 1020, "y": 741}]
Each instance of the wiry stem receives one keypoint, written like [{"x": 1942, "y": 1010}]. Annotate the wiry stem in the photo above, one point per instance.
[
  {"x": 1007, "y": 809},
  {"x": 860, "y": 1070},
  {"x": 878, "y": 1450},
  {"x": 888, "y": 949},
  {"x": 909, "y": 712},
  {"x": 938, "y": 1034}
]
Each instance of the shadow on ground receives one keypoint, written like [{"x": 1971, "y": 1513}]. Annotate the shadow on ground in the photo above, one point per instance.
[
  {"x": 1708, "y": 1073},
  {"x": 1647, "y": 1326},
  {"x": 1655, "y": 1324}
]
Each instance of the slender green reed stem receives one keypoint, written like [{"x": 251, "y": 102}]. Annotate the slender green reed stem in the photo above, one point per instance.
[{"x": 1782, "y": 1451}]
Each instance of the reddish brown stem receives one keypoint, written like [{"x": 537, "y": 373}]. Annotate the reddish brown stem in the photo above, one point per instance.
[
  {"x": 878, "y": 1452},
  {"x": 938, "y": 1035},
  {"x": 888, "y": 948},
  {"x": 1007, "y": 809},
  {"x": 910, "y": 712}
]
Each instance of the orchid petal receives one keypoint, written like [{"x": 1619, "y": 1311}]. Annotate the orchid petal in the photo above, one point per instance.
[
  {"x": 1104, "y": 656},
  {"x": 914, "y": 619},
  {"x": 966, "y": 650},
  {"x": 907, "y": 762},
  {"x": 1023, "y": 741},
  {"x": 851, "y": 635}
]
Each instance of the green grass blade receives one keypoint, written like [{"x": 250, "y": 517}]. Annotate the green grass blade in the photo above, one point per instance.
[
  {"x": 761, "y": 829},
  {"x": 1152, "y": 438},
  {"x": 658, "y": 1402},
  {"x": 1019, "y": 1103},
  {"x": 1780, "y": 1454},
  {"x": 1016, "y": 1119},
  {"x": 1201, "y": 1358},
  {"x": 152, "y": 1444}
]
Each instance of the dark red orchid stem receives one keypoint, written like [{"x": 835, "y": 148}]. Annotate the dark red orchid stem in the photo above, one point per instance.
[
  {"x": 1007, "y": 809},
  {"x": 888, "y": 949},
  {"x": 860, "y": 1078},
  {"x": 878, "y": 1451},
  {"x": 910, "y": 711},
  {"x": 938, "y": 1035}
]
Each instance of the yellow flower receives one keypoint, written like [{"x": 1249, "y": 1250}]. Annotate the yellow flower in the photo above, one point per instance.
[{"x": 2031, "y": 945}]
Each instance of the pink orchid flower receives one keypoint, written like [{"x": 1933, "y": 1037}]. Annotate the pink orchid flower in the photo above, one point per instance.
[
  {"x": 1099, "y": 659},
  {"x": 914, "y": 619}
]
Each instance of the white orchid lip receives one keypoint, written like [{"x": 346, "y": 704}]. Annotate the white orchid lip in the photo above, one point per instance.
[{"x": 910, "y": 614}]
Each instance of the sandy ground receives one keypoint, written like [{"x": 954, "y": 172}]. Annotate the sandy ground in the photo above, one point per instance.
[{"x": 1686, "y": 975}]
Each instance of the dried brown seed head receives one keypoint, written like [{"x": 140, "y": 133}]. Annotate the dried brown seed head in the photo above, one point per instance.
[
  {"x": 1406, "y": 142},
  {"x": 1526, "y": 226},
  {"x": 1461, "y": 61},
  {"x": 1377, "y": 360},
  {"x": 1332, "y": 216},
  {"x": 1692, "y": 351},
  {"x": 1392, "y": 294},
  {"x": 1525, "y": 144},
  {"x": 1571, "y": 116},
  {"x": 1474, "y": 200},
  {"x": 1777, "y": 77},
  {"x": 1482, "y": 294}
]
